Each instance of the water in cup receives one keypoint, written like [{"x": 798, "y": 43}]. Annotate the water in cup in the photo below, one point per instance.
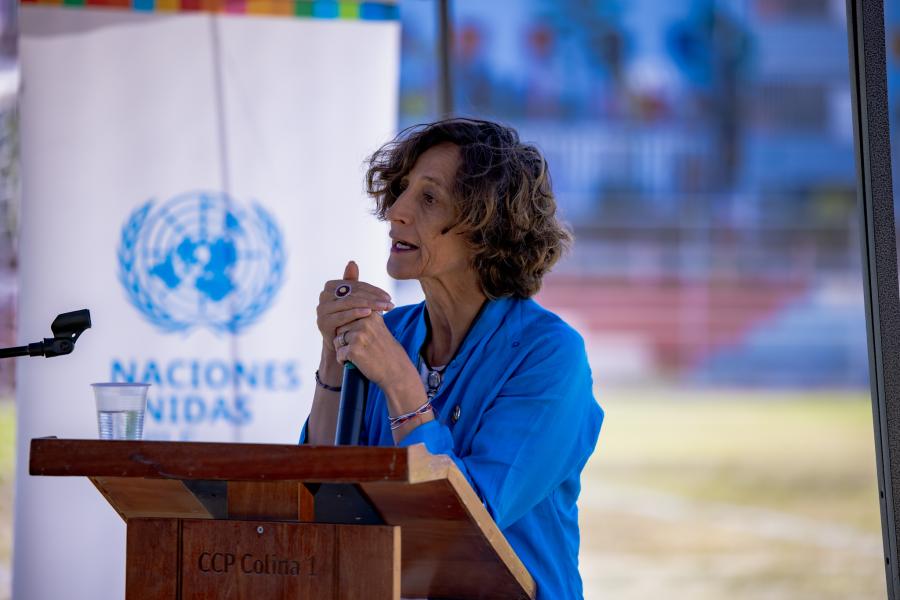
[
  {"x": 121, "y": 424},
  {"x": 120, "y": 410}
]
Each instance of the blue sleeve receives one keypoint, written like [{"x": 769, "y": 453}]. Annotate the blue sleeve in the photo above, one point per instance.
[
  {"x": 538, "y": 431},
  {"x": 304, "y": 433}
]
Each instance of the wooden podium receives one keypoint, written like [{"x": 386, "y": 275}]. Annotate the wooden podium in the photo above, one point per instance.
[{"x": 265, "y": 521}]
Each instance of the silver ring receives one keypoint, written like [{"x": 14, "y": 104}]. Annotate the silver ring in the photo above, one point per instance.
[
  {"x": 344, "y": 341},
  {"x": 342, "y": 291}
]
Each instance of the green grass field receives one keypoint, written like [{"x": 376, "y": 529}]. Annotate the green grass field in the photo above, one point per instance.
[
  {"x": 705, "y": 496},
  {"x": 733, "y": 495},
  {"x": 7, "y": 477}
]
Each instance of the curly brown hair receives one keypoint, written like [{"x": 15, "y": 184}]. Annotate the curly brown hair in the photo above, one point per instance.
[{"x": 505, "y": 206}]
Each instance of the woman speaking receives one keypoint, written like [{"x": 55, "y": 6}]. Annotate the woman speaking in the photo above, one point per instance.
[{"x": 478, "y": 371}]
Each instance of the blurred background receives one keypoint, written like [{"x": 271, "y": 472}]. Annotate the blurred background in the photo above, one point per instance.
[{"x": 702, "y": 151}]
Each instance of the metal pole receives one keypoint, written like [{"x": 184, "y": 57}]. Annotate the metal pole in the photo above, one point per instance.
[
  {"x": 865, "y": 24},
  {"x": 445, "y": 45}
]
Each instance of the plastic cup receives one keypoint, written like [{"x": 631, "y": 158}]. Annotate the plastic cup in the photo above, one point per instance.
[{"x": 120, "y": 410}]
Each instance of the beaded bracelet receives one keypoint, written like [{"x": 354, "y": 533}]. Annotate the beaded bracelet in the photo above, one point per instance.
[
  {"x": 397, "y": 422},
  {"x": 325, "y": 386}
]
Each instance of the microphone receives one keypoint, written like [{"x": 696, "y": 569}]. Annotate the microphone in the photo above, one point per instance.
[
  {"x": 354, "y": 389},
  {"x": 66, "y": 329}
]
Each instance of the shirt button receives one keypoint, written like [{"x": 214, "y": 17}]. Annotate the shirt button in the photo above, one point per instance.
[{"x": 455, "y": 414}]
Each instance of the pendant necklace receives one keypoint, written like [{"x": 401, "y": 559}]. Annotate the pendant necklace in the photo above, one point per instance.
[{"x": 433, "y": 378}]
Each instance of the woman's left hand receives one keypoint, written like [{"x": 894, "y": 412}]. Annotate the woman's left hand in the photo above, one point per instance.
[{"x": 369, "y": 345}]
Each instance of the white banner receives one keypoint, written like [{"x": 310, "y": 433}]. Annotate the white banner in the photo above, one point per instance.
[{"x": 192, "y": 179}]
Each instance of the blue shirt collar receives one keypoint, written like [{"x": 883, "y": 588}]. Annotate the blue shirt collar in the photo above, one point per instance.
[{"x": 492, "y": 314}]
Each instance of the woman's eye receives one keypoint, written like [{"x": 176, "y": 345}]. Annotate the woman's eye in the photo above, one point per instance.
[{"x": 428, "y": 198}]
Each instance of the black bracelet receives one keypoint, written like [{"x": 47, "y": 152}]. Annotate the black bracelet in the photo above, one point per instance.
[{"x": 325, "y": 386}]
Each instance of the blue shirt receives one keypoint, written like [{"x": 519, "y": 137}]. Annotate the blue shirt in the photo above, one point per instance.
[{"x": 527, "y": 424}]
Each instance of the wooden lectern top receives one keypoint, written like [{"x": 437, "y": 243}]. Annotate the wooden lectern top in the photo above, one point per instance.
[{"x": 450, "y": 546}]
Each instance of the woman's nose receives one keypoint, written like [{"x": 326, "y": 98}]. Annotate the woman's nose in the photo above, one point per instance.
[{"x": 399, "y": 211}]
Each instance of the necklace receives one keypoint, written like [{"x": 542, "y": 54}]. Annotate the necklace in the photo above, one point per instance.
[{"x": 432, "y": 377}]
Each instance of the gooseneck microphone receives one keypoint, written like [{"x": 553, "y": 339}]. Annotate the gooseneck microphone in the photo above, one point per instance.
[{"x": 354, "y": 390}]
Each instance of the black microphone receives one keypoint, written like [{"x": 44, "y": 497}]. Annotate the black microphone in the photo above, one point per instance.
[
  {"x": 352, "y": 408},
  {"x": 66, "y": 329}
]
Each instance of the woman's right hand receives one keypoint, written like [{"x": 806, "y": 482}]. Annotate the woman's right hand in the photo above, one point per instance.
[{"x": 333, "y": 312}]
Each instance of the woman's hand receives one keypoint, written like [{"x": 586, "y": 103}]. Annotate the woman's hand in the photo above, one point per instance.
[
  {"x": 363, "y": 299},
  {"x": 369, "y": 345}
]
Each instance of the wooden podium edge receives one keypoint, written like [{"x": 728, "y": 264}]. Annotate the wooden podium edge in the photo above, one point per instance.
[
  {"x": 495, "y": 538},
  {"x": 205, "y": 460},
  {"x": 425, "y": 467}
]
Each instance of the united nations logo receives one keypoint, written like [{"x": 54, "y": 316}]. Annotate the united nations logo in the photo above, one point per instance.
[{"x": 201, "y": 260}]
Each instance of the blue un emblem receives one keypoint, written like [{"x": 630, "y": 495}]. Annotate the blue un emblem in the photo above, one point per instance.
[{"x": 201, "y": 260}]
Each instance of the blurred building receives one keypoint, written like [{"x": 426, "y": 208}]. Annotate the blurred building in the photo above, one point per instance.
[
  {"x": 707, "y": 167},
  {"x": 705, "y": 163}
]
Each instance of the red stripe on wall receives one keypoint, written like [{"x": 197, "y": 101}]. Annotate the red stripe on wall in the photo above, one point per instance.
[
  {"x": 238, "y": 7},
  {"x": 109, "y": 3}
]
